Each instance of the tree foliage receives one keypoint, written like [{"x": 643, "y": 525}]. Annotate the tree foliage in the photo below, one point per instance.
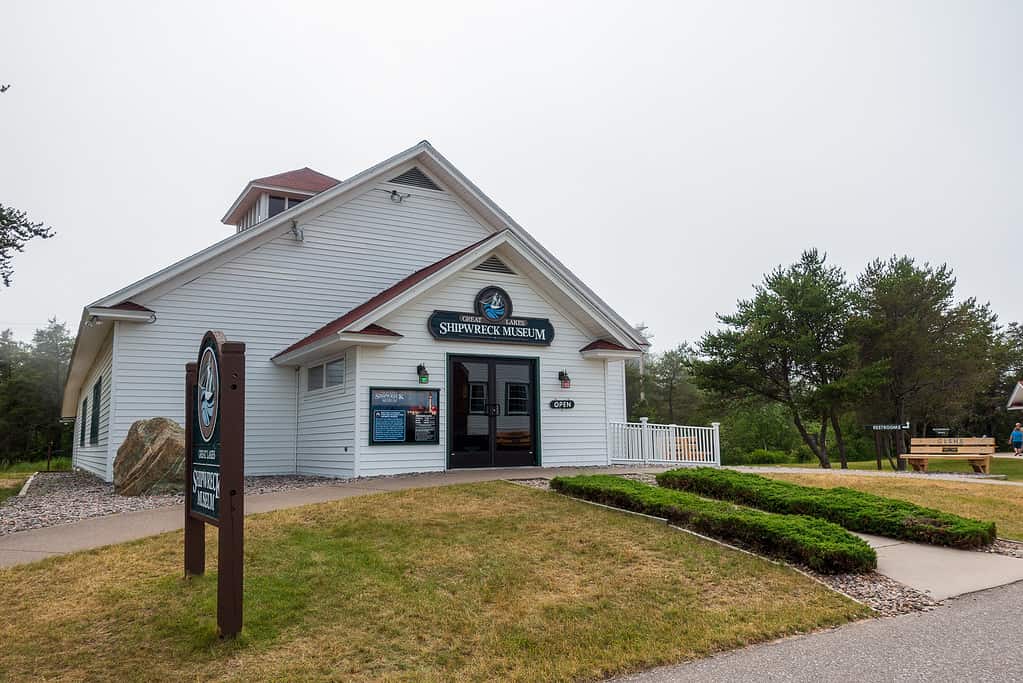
[
  {"x": 16, "y": 230},
  {"x": 788, "y": 345},
  {"x": 810, "y": 359},
  {"x": 31, "y": 385}
]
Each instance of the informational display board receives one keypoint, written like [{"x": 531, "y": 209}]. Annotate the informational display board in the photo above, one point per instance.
[{"x": 404, "y": 416}]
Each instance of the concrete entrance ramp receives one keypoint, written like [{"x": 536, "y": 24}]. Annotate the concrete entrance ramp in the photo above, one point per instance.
[{"x": 943, "y": 572}]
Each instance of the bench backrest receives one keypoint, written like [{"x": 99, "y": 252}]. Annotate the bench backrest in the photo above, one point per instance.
[{"x": 952, "y": 446}]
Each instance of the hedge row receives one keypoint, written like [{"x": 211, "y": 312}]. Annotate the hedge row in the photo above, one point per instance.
[
  {"x": 854, "y": 510},
  {"x": 823, "y": 546}
]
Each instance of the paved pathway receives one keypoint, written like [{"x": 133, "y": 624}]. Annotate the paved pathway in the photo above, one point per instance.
[
  {"x": 29, "y": 546},
  {"x": 943, "y": 572},
  {"x": 972, "y": 638}
]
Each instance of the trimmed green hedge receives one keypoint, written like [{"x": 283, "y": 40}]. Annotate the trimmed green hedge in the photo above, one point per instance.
[
  {"x": 823, "y": 546},
  {"x": 854, "y": 510}
]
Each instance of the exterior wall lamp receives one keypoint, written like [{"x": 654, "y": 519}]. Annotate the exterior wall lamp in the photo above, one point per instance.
[
  {"x": 566, "y": 381},
  {"x": 424, "y": 376}
]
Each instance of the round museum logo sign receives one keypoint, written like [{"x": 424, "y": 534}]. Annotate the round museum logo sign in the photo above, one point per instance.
[
  {"x": 208, "y": 400},
  {"x": 493, "y": 304}
]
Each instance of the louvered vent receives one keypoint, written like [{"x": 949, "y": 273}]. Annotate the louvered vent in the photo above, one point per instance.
[
  {"x": 495, "y": 265},
  {"x": 415, "y": 178}
]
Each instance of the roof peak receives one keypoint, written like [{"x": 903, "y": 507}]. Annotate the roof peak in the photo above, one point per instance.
[{"x": 303, "y": 179}]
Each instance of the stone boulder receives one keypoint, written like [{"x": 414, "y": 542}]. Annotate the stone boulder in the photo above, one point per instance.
[{"x": 151, "y": 459}]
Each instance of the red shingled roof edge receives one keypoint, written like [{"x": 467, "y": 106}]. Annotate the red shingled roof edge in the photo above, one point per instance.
[
  {"x": 604, "y": 345},
  {"x": 381, "y": 298},
  {"x": 132, "y": 306},
  {"x": 302, "y": 179}
]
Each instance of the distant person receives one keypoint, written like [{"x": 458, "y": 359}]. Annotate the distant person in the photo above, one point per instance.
[{"x": 1016, "y": 438}]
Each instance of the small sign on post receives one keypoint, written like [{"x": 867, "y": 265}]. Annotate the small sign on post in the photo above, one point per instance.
[{"x": 214, "y": 466}]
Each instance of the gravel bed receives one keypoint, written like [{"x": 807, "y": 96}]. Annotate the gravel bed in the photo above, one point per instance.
[
  {"x": 884, "y": 595},
  {"x": 65, "y": 497},
  {"x": 1004, "y": 547}
]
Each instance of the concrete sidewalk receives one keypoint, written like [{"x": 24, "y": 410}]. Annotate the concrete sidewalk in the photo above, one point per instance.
[
  {"x": 968, "y": 639},
  {"x": 29, "y": 546},
  {"x": 943, "y": 572}
]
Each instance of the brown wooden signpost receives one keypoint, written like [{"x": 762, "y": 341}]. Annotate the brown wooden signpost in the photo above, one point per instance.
[{"x": 214, "y": 465}]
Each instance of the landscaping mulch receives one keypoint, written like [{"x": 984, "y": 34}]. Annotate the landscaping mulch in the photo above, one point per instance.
[
  {"x": 886, "y": 596},
  {"x": 66, "y": 497}
]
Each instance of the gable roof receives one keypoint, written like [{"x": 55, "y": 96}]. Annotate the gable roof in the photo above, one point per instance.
[
  {"x": 338, "y": 325},
  {"x": 387, "y": 300},
  {"x": 423, "y": 155},
  {"x": 302, "y": 179}
]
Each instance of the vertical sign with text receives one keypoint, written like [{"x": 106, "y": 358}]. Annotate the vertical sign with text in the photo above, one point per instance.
[
  {"x": 215, "y": 444},
  {"x": 204, "y": 487}
]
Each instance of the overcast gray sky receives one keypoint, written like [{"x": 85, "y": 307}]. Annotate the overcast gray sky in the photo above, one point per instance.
[{"x": 669, "y": 153}]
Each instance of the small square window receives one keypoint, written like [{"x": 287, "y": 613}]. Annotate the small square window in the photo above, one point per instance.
[
  {"x": 314, "y": 380},
  {"x": 516, "y": 398},
  {"x": 477, "y": 398},
  {"x": 277, "y": 204},
  {"x": 335, "y": 373}
]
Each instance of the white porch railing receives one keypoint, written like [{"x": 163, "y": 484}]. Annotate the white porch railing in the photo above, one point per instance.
[{"x": 643, "y": 442}]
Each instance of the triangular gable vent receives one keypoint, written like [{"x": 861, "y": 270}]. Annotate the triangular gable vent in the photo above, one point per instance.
[
  {"x": 494, "y": 265},
  {"x": 415, "y": 178}
]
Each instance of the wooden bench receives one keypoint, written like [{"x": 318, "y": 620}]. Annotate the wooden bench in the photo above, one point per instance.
[
  {"x": 687, "y": 450},
  {"x": 976, "y": 451}
]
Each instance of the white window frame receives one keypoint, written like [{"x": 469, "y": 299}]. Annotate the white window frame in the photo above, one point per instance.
[
  {"x": 484, "y": 386},
  {"x": 508, "y": 398},
  {"x": 340, "y": 386}
]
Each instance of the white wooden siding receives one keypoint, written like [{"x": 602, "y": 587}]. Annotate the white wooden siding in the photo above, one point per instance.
[
  {"x": 274, "y": 295},
  {"x": 94, "y": 458},
  {"x": 616, "y": 391},
  {"x": 568, "y": 437},
  {"x": 326, "y": 426}
]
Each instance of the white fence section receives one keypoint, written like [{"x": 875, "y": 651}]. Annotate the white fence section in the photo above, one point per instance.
[{"x": 643, "y": 442}]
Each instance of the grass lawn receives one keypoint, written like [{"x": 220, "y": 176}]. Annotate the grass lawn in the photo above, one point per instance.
[
  {"x": 475, "y": 582},
  {"x": 1002, "y": 505},
  {"x": 1012, "y": 469},
  {"x": 14, "y": 475},
  {"x": 10, "y": 486},
  {"x": 29, "y": 466}
]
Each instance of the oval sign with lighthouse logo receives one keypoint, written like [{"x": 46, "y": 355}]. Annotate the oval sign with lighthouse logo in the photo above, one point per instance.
[{"x": 208, "y": 399}]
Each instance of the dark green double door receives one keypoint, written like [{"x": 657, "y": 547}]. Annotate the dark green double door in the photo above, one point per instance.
[{"x": 492, "y": 404}]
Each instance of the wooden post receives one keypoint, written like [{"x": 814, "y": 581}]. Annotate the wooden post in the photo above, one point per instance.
[
  {"x": 49, "y": 455},
  {"x": 900, "y": 449},
  {"x": 877, "y": 448},
  {"x": 195, "y": 529},
  {"x": 232, "y": 504}
]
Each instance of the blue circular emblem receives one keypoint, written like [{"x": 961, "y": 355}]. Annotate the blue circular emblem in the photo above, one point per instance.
[{"x": 493, "y": 304}]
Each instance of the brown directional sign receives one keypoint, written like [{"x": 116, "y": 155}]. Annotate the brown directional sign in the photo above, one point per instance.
[{"x": 214, "y": 465}]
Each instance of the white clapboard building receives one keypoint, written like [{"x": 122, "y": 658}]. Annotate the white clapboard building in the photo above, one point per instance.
[{"x": 397, "y": 321}]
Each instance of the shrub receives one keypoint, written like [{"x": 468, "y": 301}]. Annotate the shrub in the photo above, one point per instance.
[
  {"x": 854, "y": 510},
  {"x": 762, "y": 456},
  {"x": 818, "y": 544}
]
